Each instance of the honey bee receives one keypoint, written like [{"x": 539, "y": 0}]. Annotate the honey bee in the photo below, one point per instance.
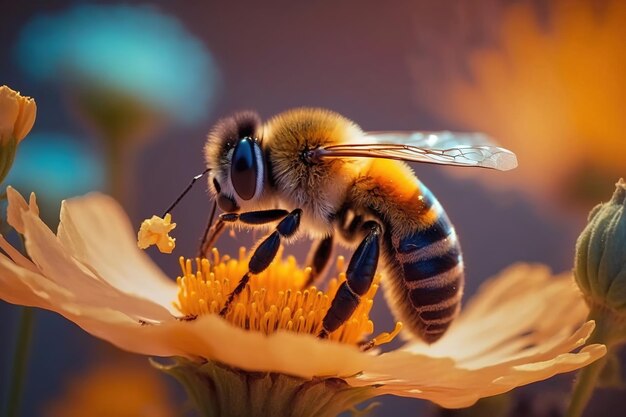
[{"x": 314, "y": 172}]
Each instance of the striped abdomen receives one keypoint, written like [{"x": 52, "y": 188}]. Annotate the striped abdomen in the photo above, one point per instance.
[
  {"x": 427, "y": 271},
  {"x": 422, "y": 258}
]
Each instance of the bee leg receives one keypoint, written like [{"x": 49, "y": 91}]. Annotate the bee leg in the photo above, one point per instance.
[
  {"x": 359, "y": 277},
  {"x": 265, "y": 253},
  {"x": 211, "y": 234},
  {"x": 252, "y": 218},
  {"x": 349, "y": 224},
  {"x": 255, "y": 217},
  {"x": 318, "y": 259}
]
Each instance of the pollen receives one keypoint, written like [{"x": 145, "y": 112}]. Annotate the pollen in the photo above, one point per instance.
[
  {"x": 274, "y": 299},
  {"x": 155, "y": 231}
]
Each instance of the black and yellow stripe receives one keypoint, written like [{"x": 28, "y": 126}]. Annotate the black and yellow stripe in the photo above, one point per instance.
[{"x": 424, "y": 280}]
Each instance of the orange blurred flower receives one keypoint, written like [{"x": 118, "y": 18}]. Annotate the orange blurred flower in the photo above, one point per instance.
[
  {"x": 115, "y": 389},
  {"x": 554, "y": 94}
]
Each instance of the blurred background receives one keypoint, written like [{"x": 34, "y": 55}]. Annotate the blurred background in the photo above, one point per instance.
[{"x": 127, "y": 91}]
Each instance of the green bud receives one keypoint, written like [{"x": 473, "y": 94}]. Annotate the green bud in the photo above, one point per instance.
[{"x": 600, "y": 264}]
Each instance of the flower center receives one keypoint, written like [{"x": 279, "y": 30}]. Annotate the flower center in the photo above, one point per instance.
[{"x": 273, "y": 300}]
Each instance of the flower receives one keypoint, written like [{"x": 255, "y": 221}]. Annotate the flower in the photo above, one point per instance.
[
  {"x": 17, "y": 115},
  {"x": 550, "y": 91},
  {"x": 132, "y": 51},
  {"x": 48, "y": 162},
  {"x": 524, "y": 326},
  {"x": 114, "y": 388},
  {"x": 600, "y": 267}
]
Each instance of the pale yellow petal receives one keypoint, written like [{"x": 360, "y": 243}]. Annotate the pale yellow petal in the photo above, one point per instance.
[
  {"x": 56, "y": 264},
  {"x": 22, "y": 286},
  {"x": 16, "y": 255},
  {"x": 17, "y": 205},
  {"x": 211, "y": 337},
  {"x": 522, "y": 304},
  {"x": 442, "y": 381},
  {"x": 208, "y": 337},
  {"x": 523, "y": 326},
  {"x": 96, "y": 231}
]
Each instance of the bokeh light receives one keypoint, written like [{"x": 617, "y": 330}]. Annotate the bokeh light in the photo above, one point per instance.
[
  {"x": 56, "y": 166},
  {"x": 134, "y": 49},
  {"x": 553, "y": 92},
  {"x": 114, "y": 387}
]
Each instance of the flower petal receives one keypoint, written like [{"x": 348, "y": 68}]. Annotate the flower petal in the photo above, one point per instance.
[
  {"x": 524, "y": 303},
  {"x": 211, "y": 337},
  {"x": 9, "y": 110},
  {"x": 521, "y": 327},
  {"x": 98, "y": 233},
  {"x": 19, "y": 285},
  {"x": 52, "y": 259},
  {"x": 17, "y": 205},
  {"x": 15, "y": 255},
  {"x": 207, "y": 337}
]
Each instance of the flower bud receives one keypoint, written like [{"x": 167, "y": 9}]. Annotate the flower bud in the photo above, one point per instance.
[
  {"x": 17, "y": 115},
  {"x": 600, "y": 264}
]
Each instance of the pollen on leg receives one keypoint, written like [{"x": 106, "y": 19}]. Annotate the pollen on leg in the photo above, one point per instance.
[{"x": 273, "y": 300}]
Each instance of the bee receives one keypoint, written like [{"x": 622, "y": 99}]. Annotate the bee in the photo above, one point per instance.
[{"x": 316, "y": 173}]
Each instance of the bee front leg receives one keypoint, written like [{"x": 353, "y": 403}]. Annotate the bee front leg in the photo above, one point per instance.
[
  {"x": 265, "y": 253},
  {"x": 318, "y": 259},
  {"x": 250, "y": 218},
  {"x": 359, "y": 278}
]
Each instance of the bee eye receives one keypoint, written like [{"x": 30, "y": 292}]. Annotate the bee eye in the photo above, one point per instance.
[{"x": 246, "y": 168}]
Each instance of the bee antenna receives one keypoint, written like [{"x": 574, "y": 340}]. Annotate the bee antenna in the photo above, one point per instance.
[
  {"x": 205, "y": 237},
  {"x": 180, "y": 197}
]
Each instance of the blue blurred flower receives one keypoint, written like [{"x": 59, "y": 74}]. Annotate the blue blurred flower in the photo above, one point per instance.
[
  {"x": 56, "y": 166},
  {"x": 135, "y": 49}
]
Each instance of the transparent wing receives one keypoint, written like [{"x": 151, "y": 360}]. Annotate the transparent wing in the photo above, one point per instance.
[{"x": 446, "y": 148}]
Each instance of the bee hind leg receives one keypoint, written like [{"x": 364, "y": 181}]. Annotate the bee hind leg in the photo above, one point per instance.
[
  {"x": 359, "y": 278},
  {"x": 265, "y": 253}
]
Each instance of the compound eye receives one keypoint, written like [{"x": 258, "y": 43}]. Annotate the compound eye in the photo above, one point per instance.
[{"x": 245, "y": 169}]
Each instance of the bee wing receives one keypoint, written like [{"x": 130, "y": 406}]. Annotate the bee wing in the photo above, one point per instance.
[{"x": 446, "y": 148}]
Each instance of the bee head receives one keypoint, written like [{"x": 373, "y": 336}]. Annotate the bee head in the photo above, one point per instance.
[{"x": 233, "y": 154}]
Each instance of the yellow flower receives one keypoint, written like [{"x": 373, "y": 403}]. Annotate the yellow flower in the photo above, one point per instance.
[
  {"x": 551, "y": 92},
  {"x": 154, "y": 231},
  {"x": 524, "y": 326},
  {"x": 17, "y": 115},
  {"x": 114, "y": 389}
]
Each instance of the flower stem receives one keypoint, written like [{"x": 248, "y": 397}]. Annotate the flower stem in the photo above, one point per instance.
[
  {"x": 585, "y": 385},
  {"x": 606, "y": 332},
  {"x": 117, "y": 165},
  {"x": 20, "y": 361}
]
